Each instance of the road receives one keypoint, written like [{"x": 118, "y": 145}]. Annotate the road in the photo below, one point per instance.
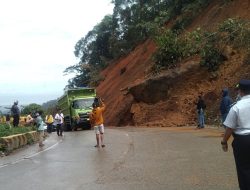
[{"x": 133, "y": 159}]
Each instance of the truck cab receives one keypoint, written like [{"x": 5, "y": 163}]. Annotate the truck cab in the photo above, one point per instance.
[{"x": 76, "y": 105}]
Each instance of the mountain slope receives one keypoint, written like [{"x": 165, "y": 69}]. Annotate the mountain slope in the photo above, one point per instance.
[{"x": 134, "y": 98}]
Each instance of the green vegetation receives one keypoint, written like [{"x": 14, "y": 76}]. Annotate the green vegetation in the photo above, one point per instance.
[
  {"x": 189, "y": 10},
  {"x": 172, "y": 48},
  {"x": 6, "y": 131},
  {"x": 134, "y": 21},
  {"x": 131, "y": 23},
  {"x": 48, "y": 107},
  {"x": 31, "y": 108},
  {"x": 234, "y": 33}
]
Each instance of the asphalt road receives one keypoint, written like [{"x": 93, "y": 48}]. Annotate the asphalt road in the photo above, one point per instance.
[{"x": 133, "y": 159}]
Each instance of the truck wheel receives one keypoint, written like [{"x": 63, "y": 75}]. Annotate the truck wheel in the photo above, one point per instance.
[
  {"x": 74, "y": 127},
  {"x": 89, "y": 127},
  {"x": 68, "y": 127},
  {"x": 86, "y": 127}
]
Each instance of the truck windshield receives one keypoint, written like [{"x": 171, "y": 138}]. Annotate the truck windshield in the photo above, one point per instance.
[{"x": 83, "y": 103}]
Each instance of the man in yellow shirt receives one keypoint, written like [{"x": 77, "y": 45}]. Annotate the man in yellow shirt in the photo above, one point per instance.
[
  {"x": 96, "y": 119},
  {"x": 49, "y": 121}
]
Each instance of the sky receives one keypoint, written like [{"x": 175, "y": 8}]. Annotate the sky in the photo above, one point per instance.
[{"x": 37, "y": 39}]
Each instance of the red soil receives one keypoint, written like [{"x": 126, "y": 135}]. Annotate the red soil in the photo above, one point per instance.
[{"x": 177, "y": 108}]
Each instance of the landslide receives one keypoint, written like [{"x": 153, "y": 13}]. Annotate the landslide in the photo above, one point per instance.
[{"x": 133, "y": 97}]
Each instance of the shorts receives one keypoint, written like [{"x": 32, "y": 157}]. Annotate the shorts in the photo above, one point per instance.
[
  {"x": 99, "y": 129},
  {"x": 41, "y": 136}
]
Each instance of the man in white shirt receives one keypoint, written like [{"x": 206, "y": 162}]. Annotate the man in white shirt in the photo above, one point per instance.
[
  {"x": 59, "y": 118},
  {"x": 237, "y": 124}
]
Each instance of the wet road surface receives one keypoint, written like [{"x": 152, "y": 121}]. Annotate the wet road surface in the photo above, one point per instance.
[{"x": 133, "y": 159}]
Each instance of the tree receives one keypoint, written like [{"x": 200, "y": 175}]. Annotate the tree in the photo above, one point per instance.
[
  {"x": 31, "y": 108},
  {"x": 132, "y": 22},
  {"x": 94, "y": 52}
]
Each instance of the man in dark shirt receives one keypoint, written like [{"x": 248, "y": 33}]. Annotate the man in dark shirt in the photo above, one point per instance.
[
  {"x": 200, "y": 106},
  {"x": 15, "y": 113},
  {"x": 225, "y": 105}
]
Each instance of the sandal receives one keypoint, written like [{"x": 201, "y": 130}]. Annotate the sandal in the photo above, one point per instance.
[
  {"x": 96, "y": 146},
  {"x": 103, "y": 146}
]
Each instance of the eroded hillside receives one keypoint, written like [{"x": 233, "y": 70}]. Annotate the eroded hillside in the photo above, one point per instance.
[{"x": 135, "y": 98}]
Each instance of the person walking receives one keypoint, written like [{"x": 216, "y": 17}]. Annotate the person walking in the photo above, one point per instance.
[
  {"x": 15, "y": 113},
  {"x": 225, "y": 104},
  {"x": 201, "y": 106},
  {"x": 96, "y": 119},
  {"x": 49, "y": 121},
  {"x": 40, "y": 128},
  {"x": 59, "y": 118},
  {"x": 237, "y": 124}
]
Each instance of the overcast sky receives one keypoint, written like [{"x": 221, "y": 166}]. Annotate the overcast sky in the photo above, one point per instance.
[{"x": 37, "y": 39}]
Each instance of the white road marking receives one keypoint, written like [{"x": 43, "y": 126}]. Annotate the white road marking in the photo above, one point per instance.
[{"x": 27, "y": 157}]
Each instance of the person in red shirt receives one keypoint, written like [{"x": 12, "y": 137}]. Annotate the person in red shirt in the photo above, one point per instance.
[{"x": 96, "y": 120}]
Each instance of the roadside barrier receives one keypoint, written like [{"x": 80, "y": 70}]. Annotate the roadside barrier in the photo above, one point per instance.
[{"x": 13, "y": 142}]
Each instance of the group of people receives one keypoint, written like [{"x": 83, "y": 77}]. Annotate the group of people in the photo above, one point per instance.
[
  {"x": 225, "y": 105},
  {"x": 96, "y": 120},
  {"x": 235, "y": 119},
  {"x": 237, "y": 124},
  {"x": 57, "y": 121},
  {"x": 50, "y": 121},
  {"x": 46, "y": 125}
]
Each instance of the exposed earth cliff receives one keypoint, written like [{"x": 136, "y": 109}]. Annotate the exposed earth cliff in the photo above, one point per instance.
[{"x": 133, "y": 97}]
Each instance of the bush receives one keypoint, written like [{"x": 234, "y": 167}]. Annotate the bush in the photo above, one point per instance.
[
  {"x": 232, "y": 32},
  {"x": 169, "y": 51},
  {"x": 29, "y": 138},
  {"x": 173, "y": 48},
  {"x": 3, "y": 147},
  {"x": 6, "y": 131},
  {"x": 212, "y": 58},
  {"x": 189, "y": 13},
  {"x": 182, "y": 23},
  {"x": 235, "y": 31}
]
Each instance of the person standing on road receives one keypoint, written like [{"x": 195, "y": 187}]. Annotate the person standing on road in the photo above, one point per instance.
[
  {"x": 15, "y": 113},
  {"x": 201, "y": 106},
  {"x": 237, "y": 124},
  {"x": 49, "y": 121},
  {"x": 225, "y": 104},
  {"x": 96, "y": 120},
  {"x": 59, "y": 117},
  {"x": 40, "y": 127}
]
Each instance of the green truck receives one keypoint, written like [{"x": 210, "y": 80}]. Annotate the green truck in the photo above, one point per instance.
[{"x": 76, "y": 104}]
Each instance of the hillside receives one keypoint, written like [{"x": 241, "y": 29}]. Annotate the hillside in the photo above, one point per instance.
[{"x": 133, "y": 97}]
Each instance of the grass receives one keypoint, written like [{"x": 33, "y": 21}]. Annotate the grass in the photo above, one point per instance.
[{"x": 6, "y": 131}]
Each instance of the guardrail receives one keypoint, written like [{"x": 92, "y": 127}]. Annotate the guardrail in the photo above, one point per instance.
[{"x": 9, "y": 143}]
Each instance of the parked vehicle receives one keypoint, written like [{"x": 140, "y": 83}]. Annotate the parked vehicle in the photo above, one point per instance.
[{"x": 76, "y": 104}]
